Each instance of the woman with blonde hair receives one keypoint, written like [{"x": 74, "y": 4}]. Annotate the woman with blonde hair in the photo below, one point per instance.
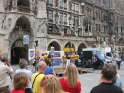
[
  {"x": 69, "y": 82},
  {"x": 50, "y": 84}
]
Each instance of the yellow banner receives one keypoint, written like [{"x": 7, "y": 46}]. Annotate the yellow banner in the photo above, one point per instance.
[{"x": 69, "y": 50}]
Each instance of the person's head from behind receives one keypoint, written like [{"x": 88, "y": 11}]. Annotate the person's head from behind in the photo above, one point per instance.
[
  {"x": 20, "y": 81},
  {"x": 48, "y": 63},
  {"x": 109, "y": 72},
  {"x": 41, "y": 66},
  {"x": 4, "y": 59},
  {"x": 23, "y": 63},
  {"x": 50, "y": 84},
  {"x": 71, "y": 73}
]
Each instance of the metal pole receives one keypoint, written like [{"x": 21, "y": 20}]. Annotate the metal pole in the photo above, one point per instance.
[
  {"x": 35, "y": 59},
  {"x": 36, "y": 44}
]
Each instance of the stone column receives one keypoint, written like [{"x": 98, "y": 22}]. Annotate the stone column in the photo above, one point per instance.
[
  {"x": 31, "y": 6},
  {"x": 41, "y": 9},
  {"x": 1, "y": 5}
]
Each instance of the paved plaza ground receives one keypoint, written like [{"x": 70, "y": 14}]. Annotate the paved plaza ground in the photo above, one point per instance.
[{"x": 89, "y": 80}]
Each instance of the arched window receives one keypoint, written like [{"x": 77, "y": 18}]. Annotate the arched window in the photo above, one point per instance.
[
  {"x": 56, "y": 46},
  {"x": 81, "y": 46},
  {"x": 8, "y": 4},
  {"x": 23, "y": 5},
  {"x": 69, "y": 45},
  {"x": 21, "y": 28}
]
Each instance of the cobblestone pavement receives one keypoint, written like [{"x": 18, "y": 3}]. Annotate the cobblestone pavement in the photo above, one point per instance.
[{"x": 89, "y": 80}]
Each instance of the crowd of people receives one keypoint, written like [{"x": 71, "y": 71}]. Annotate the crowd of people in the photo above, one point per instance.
[{"x": 46, "y": 81}]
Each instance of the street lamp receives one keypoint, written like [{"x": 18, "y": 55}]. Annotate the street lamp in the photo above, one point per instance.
[
  {"x": 35, "y": 61},
  {"x": 36, "y": 45}
]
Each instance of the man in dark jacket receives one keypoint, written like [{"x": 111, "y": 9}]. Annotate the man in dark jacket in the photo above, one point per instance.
[{"x": 106, "y": 84}]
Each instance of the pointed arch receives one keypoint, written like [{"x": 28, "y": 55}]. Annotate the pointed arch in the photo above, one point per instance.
[
  {"x": 81, "y": 46},
  {"x": 55, "y": 45},
  {"x": 18, "y": 49},
  {"x": 69, "y": 45}
]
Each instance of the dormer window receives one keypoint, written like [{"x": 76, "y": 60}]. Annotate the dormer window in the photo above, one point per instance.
[{"x": 8, "y": 5}]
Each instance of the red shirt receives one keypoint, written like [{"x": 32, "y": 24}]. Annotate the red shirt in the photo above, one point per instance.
[
  {"x": 17, "y": 91},
  {"x": 66, "y": 88}
]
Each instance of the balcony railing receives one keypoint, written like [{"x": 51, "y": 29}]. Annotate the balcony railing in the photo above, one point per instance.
[
  {"x": 71, "y": 33},
  {"x": 66, "y": 34},
  {"x": 22, "y": 8},
  {"x": 53, "y": 29},
  {"x": 49, "y": 5},
  {"x": 54, "y": 32}
]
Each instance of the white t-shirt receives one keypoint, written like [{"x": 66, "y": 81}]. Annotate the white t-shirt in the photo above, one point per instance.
[
  {"x": 29, "y": 73},
  {"x": 118, "y": 59},
  {"x": 4, "y": 74}
]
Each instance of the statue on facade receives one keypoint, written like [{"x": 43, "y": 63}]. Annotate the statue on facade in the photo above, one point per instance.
[{"x": 8, "y": 4}]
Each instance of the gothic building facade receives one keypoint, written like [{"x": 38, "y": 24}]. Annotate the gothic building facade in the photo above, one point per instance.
[
  {"x": 21, "y": 18},
  {"x": 118, "y": 27},
  {"x": 105, "y": 19},
  {"x": 55, "y": 23}
]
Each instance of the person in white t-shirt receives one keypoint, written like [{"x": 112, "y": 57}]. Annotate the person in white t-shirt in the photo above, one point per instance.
[
  {"x": 118, "y": 61},
  {"x": 5, "y": 75},
  {"x": 23, "y": 68}
]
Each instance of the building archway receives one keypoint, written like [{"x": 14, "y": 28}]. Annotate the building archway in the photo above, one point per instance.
[
  {"x": 81, "y": 46},
  {"x": 18, "y": 49},
  {"x": 55, "y": 45}
]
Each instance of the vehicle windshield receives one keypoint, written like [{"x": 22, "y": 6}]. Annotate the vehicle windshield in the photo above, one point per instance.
[
  {"x": 100, "y": 55},
  {"x": 87, "y": 55},
  {"x": 108, "y": 54}
]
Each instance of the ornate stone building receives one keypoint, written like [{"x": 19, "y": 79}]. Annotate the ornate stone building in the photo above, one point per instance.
[
  {"x": 65, "y": 25},
  {"x": 105, "y": 19},
  {"x": 118, "y": 27},
  {"x": 97, "y": 20},
  {"x": 19, "y": 18},
  {"x": 54, "y": 23}
]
